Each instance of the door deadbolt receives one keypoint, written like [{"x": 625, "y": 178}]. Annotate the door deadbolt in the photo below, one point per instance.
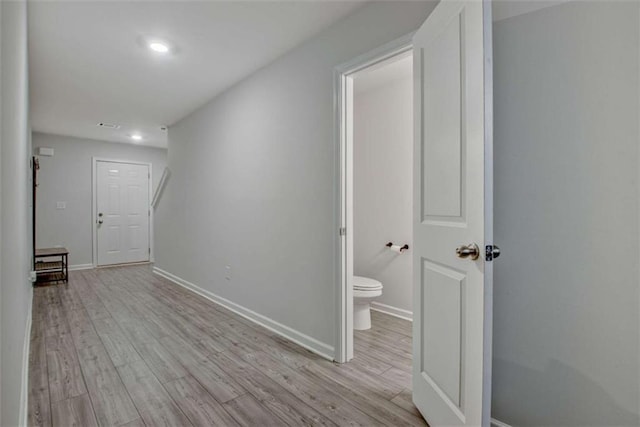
[
  {"x": 491, "y": 252},
  {"x": 471, "y": 251}
]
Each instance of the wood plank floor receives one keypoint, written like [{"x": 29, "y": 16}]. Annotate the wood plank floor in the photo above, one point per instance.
[{"x": 124, "y": 347}]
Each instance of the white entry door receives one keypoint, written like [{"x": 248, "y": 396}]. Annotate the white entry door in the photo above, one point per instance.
[
  {"x": 453, "y": 215},
  {"x": 122, "y": 212}
]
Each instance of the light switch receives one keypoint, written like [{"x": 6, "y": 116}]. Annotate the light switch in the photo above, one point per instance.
[{"x": 61, "y": 205}]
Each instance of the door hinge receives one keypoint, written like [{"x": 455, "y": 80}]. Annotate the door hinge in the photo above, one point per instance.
[
  {"x": 491, "y": 252},
  {"x": 149, "y": 251},
  {"x": 343, "y": 231}
]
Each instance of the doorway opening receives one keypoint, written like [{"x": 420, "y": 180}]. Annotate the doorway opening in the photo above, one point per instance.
[
  {"x": 122, "y": 216},
  {"x": 376, "y": 144},
  {"x": 381, "y": 211}
]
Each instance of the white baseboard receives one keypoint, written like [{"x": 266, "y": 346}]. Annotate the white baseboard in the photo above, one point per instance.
[
  {"x": 80, "y": 267},
  {"x": 496, "y": 423},
  {"x": 26, "y": 347},
  {"x": 393, "y": 311},
  {"x": 291, "y": 334}
]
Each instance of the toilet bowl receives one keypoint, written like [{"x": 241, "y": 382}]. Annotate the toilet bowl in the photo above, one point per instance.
[{"x": 364, "y": 291}]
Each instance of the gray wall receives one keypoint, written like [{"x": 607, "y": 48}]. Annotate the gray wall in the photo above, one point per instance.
[
  {"x": 1, "y": 181},
  {"x": 566, "y": 216},
  {"x": 382, "y": 189},
  {"x": 67, "y": 177},
  {"x": 253, "y": 180},
  {"x": 15, "y": 214}
]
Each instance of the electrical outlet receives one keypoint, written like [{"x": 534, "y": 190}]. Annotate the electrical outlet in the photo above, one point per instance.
[
  {"x": 227, "y": 272},
  {"x": 61, "y": 205}
]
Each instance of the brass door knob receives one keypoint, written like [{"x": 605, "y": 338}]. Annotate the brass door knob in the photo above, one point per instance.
[{"x": 471, "y": 251}]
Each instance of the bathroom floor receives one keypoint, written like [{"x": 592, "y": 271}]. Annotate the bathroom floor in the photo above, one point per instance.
[
  {"x": 122, "y": 346},
  {"x": 384, "y": 351}
]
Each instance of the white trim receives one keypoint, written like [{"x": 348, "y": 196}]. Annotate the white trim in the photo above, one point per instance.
[
  {"x": 343, "y": 109},
  {"x": 487, "y": 327},
  {"x": 291, "y": 334},
  {"x": 160, "y": 188},
  {"x": 496, "y": 423},
  {"x": 638, "y": 195},
  {"x": 94, "y": 170},
  {"x": 80, "y": 267},
  {"x": 26, "y": 348},
  {"x": 124, "y": 264},
  {"x": 392, "y": 311}
]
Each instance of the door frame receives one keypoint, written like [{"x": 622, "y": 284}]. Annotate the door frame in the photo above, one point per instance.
[
  {"x": 94, "y": 203},
  {"x": 343, "y": 137}
]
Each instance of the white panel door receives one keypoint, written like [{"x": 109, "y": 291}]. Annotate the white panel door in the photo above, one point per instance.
[
  {"x": 453, "y": 209},
  {"x": 122, "y": 209}
]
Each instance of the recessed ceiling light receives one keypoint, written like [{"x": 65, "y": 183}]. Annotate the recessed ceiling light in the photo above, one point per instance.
[
  {"x": 136, "y": 137},
  {"x": 159, "y": 47}
]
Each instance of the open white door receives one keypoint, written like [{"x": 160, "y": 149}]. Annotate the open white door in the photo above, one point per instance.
[{"x": 453, "y": 215}]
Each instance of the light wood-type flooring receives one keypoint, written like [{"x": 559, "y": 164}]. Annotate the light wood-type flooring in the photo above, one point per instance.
[{"x": 124, "y": 347}]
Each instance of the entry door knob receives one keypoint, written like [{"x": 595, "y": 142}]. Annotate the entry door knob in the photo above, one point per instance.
[{"x": 471, "y": 251}]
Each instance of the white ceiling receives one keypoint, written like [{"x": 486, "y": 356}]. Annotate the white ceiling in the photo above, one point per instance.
[{"x": 89, "y": 62}]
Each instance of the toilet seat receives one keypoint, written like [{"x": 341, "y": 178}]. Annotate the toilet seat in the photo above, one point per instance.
[{"x": 366, "y": 284}]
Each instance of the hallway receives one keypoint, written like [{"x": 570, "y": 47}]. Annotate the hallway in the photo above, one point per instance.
[{"x": 122, "y": 346}]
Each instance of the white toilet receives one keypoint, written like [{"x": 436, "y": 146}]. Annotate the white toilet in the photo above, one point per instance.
[{"x": 364, "y": 291}]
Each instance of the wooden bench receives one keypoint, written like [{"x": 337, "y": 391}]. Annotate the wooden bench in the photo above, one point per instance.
[{"x": 51, "y": 265}]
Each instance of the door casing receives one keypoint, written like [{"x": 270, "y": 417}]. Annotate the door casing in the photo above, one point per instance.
[
  {"x": 343, "y": 139},
  {"x": 94, "y": 203},
  {"x": 343, "y": 128}
]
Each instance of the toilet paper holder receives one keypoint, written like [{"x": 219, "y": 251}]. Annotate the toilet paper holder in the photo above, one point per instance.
[{"x": 397, "y": 248}]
